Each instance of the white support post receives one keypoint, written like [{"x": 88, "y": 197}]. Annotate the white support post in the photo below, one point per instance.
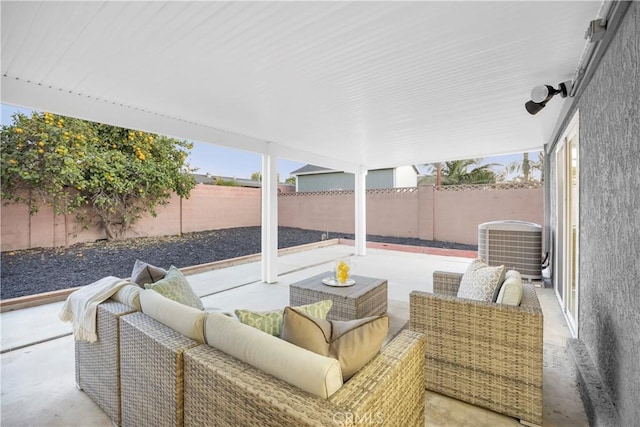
[
  {"x": 361, "y": 211},
  {"x": 269, "y": 258}
]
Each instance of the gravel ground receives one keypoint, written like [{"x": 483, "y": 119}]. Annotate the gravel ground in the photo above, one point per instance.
[{"x": 33, "y": 271}]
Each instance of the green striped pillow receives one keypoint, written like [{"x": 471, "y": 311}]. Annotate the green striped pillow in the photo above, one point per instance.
[{"x": 271, "y": 321}]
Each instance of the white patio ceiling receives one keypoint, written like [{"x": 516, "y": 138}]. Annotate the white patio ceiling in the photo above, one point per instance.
[{"x": 338, "y": 84}]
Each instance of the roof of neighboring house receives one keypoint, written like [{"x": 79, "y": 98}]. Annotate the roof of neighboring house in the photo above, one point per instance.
[
  {"x": 313, "y": 169},
  {"x": 204, "y": 178},
  {"x": 212, "y": 179},
  {"x": 243, "y": 182}
]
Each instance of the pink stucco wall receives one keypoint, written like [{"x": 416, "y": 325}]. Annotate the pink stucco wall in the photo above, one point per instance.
[
  {"x": 329, "y": 211},
  {"x": 209, "y": 208},
  {"x": 213, "y": 207},
  {"x": 457, "y": 214},
  {"x": 393, "y": 213},
  {"x": 423, "y": 212}
]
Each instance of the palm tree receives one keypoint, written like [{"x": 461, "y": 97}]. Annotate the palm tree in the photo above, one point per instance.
[
  {"x": 526, "y": 168},
  {"x": 538, "y": 165},
  {"x": 433, "y": 174},
  {"x": 458, "y": 172}
]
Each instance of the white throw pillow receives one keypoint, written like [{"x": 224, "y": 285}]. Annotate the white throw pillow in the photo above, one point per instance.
[
  {"x": 511, "y": 290},
  {"x": 311, "y": 372},
  {"x": 481, "y": 282},
  {"x": 187, "y": 320}
]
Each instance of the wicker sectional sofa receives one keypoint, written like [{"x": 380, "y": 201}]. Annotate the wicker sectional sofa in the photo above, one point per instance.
[
  {"x": 98, "y": 363},
  {"x": 484, "y": 353},
  {"x": 161, "y": 377}
]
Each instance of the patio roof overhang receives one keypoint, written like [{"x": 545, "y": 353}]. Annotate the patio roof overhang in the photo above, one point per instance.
[
  {"x": 340, "y": 84},
  {"x": 350, "y": 86}
]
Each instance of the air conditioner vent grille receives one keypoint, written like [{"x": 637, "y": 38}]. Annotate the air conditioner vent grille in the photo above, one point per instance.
[{"x": 515, "y": 244}]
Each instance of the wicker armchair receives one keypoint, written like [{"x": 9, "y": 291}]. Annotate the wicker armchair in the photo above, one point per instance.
[
  {"x": 484, "y": 353},
  {"x": 222, "y": 391}
]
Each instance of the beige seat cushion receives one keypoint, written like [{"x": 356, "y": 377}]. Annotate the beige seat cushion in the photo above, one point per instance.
[
  {"x": 511, "y": 290},
  {"x": 187, "y": 320},
  {"x": 311, "y": 372},
  {"x": 481, "y": 282},
  {"x": 353, "y": 343}
]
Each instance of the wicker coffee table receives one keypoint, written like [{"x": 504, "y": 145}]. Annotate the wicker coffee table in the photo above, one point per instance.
[{"x": 368, "y": 297}]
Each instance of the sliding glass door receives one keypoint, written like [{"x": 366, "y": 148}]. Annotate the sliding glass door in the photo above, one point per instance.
[{"x": 566, "y": 274}]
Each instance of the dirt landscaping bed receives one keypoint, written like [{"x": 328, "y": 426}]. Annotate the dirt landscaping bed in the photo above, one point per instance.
[{"x": 34, "y": 271}]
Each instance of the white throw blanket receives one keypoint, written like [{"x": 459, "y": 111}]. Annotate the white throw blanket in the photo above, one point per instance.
[{"x": 81, "y": 307}]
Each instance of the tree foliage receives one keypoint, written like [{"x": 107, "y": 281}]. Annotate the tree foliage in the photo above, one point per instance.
[
  {"x": 257, "y": 176},
  {"x": 98, "y": 172},
  {"x": 467, "y": 171},
  {"x": 291, "y": 180},
  {"x": 527, "y": 170},
  {"x": 226, "y": 182}
]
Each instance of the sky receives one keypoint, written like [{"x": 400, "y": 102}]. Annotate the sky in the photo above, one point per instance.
[{"x": 227, "y": 162}]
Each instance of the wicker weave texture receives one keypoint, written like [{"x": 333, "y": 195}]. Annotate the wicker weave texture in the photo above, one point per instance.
[
  {"x": 151, "y": 372},
  {"x": 222, "y": 391},
  {"x": 389, "y": 390},
  {"x": 368, "y": 297},
  {"x": 483, "y": 353},
  {"x": 98, "y": 363},
  {"x": 445, "y": 283}
]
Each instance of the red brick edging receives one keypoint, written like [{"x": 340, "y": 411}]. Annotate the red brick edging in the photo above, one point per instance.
[{"x": 415, "y": 249}]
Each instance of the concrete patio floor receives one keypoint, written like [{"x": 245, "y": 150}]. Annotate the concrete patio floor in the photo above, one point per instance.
[{"x": 38, "y": 382}]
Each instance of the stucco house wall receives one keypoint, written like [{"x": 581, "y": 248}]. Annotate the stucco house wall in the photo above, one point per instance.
[
  {"x": 379, "y": 178},
  {"x": 609, "y": 206},
  {"x": 324, "y": 180},
  {"x": 405, "y": 176}
]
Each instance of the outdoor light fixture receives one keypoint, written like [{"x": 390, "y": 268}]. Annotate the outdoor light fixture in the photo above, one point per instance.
[{"x": 542, "y": 94}]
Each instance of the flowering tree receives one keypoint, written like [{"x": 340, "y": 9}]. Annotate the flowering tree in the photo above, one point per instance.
[{"x": 100, "y": 173}]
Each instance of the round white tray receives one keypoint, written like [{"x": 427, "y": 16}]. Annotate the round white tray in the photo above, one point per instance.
[{"x": 331, "y": 281}]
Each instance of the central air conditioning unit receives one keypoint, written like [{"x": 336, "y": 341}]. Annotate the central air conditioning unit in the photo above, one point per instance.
[{"x": 515, "y": 244}]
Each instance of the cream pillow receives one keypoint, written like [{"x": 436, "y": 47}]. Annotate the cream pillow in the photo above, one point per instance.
[
  {"x": 353, "y": 343},
  {"x": 311, "y": 372},
  {"x": 271, "y": 321},
  {"x": 129, "y": 295},
  {"x": 187, "y": 320},
  {"x": 511, "y": 290},
  {"x": 481, "y": 282}
]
